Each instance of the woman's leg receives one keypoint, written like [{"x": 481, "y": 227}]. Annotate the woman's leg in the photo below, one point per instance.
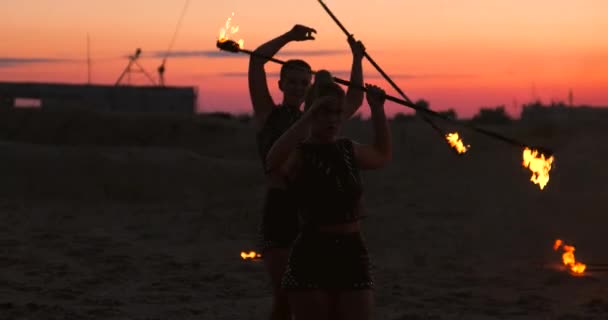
[
  {"x": 275, "y": 260},
  {"x": 355, "y": 304},
  {"x": 310, "y": 305}
]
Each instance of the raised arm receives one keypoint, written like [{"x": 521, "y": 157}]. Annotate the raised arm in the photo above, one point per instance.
[
  {"x": 377, "y": 154},
  {"x": 354, "y": 94},
  {"x": 258, "y": 87},
  {"x": 288, "y": 142}
]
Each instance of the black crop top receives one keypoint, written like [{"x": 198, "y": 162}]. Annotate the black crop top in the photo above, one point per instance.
[
  {"x": 278, "y": 121},
  {"x": 327, "y": 184}
]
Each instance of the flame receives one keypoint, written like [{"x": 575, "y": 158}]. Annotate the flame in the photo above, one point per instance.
[
  {"x": 456, "y": 142},
  {"x": 539, "y": 165},
  {"x": 228, "y": 30},
  {"x": 251, "y": 255},
  {"x": 568, "y": 259},
  {"x": 558, "y": 243}
]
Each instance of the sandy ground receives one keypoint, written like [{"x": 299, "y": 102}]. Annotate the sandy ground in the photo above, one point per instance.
[{"x": 144, "y": 218}]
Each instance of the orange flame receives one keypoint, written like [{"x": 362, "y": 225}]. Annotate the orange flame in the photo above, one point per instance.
[
  {"x": 251, "y": 255},
  {"x": 456, "y": 142},
  {"x": 568, "y": 259},
  {"x": 539, "y": 165},
  {"x": 228, "y": 30},
  {"x": 558, "y": 243}
]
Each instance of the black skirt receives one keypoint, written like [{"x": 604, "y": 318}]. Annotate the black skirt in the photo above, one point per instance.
[
  {"x": 279, "y": 227},
  {"x": 331, "y": 261}
]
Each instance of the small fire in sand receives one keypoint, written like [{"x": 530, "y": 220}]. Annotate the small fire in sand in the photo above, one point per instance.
[
  {"x": 568, "y": 259},
  {"x": 251, "y": 255}
]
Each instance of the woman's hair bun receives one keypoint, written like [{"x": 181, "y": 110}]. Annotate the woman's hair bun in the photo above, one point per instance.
[{"x": 323, "y": 77}]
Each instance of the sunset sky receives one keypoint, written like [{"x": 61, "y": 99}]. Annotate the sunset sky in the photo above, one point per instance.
[{"x": 461, "y": 54}]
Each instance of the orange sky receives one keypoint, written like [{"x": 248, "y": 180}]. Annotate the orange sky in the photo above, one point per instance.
[{"x": 456, "y": 54}]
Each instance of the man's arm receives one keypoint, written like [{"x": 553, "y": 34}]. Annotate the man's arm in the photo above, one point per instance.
[{"x": 261, "y": 99}]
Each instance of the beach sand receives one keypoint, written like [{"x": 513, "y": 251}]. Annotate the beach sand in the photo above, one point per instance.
[{"x": 144, "y": 217}]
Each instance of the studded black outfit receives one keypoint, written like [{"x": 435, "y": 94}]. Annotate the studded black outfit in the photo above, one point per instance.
[{"x": 328, "y": 192}]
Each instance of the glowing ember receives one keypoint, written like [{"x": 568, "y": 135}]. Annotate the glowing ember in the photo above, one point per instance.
[
  {"x": 539, "y": 165},
  {"x": 228, "y": 30},
  {"x": 456, "y": 142},
  {"x": 251, "y": 255},
  {"x": 568, "y": 259}
]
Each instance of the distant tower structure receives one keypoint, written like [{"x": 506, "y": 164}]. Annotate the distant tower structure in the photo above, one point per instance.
[
  {"x": 570, "y": 98},
  {"x": 129, "y": 69},
  {"x": 161, "y": 74}
]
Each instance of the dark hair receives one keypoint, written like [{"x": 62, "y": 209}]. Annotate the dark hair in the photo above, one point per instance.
[
  {"x": 324, "y": 85},
  {"x": 294, "y": 64}
]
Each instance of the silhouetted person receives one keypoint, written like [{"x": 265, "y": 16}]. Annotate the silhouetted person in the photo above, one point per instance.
[
  {"x": 279, "y": 225},
  {"x": 328, "y": 272}
]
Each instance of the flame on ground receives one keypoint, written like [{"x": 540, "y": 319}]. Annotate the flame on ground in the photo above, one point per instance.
[
  {"x": 539, "y": 165},
  {"x": 229, "y": 30},
  {"x": 558, "y": 243},
  {"x": 568, "y": 259},
  {"x": 251, "y": 255},
  {"x": 456, "y": 142}
]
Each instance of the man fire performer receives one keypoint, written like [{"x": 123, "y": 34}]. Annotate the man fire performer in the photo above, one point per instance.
[{"x": 279, "y": 225}]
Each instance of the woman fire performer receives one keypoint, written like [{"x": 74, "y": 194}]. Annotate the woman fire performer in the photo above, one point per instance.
[
  {"x": 328, "y": 271},
  {"x": 279, "y": 225}
]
